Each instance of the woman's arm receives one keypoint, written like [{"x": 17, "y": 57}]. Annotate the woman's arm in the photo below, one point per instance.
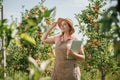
[
  {"x": 78, "y": 56},
  {"x": 45, "y": 38}
]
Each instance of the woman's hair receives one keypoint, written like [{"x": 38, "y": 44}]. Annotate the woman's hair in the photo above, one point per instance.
[{"x": 70, "y": 29}]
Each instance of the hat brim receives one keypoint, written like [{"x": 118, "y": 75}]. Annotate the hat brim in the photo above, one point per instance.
[{"x": 59, "y": 21}]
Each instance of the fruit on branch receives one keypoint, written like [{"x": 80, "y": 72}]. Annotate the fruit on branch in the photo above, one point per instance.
[
  {"x": 90, "y": 18},
  {"x": 96, "y": 9}
]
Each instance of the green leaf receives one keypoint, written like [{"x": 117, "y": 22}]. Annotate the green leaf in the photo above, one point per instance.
[
  {"x": 48, "y": 12},
  {"x": 31, "y": 22},
  {"x": 27, "y": 38},
  {"x": 39, "y": 19},
  {"x": 3, "y": 21},
  {"x": 17, "y": 42},
  {"x": 8, "y": 39},
  {"x": 33, "y": 28},
  {"x": 12, "y": 26}
]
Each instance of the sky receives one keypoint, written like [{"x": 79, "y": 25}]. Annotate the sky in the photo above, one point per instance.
[{"x": 64, "y": 9}]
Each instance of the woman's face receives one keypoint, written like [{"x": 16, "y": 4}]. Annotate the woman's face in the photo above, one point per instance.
[{"x": 64, "y": 26}]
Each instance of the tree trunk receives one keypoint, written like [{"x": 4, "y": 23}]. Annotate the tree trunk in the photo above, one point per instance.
[
  {"x": 3, "y": 46},
  {"x": 4, "y": 58},
  {"x": 103, "y": 72}
]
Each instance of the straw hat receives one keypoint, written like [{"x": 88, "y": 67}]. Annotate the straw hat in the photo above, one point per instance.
[{"x": 69, "y": 21}]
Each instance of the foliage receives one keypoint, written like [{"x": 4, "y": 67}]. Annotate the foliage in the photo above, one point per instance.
[
  {"x": 7, "y": 30},
  {"x": 24, "y": 41},
  {"x": 111, "y": 22},
  {"x": 99, "y": 50}
]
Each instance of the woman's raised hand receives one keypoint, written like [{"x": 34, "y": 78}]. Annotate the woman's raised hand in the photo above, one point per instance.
[
  {"x": 53, "y": 24},
  {"x": 45, "y": 37}
]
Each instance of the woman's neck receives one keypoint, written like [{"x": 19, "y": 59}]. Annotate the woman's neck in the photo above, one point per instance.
[{"x": 66, "y": 36}]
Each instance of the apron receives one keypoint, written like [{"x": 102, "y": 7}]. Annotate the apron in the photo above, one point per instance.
[{"x": 64, "y": 69}]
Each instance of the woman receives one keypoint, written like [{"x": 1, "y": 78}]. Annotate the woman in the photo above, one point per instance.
[{"x": 64, "y": 69}]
